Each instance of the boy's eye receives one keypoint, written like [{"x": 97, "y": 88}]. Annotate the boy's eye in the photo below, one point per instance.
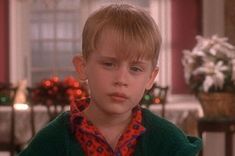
[
  {"x": 108, "y": 64},
  {"x": 136, "y": 69}
]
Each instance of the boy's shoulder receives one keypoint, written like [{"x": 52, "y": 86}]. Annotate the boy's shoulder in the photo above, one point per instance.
[
  {"x": 53, "y": 140},
  {"x": 165, "y": 138},
  {"x": 155, "y": 122},
  {"x": 159, "y": 126}
]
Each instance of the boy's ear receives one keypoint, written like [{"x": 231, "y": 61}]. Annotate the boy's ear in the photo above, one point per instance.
[
  {"x": 80, "y": 66},
  {"x": 152, "y": 78}
]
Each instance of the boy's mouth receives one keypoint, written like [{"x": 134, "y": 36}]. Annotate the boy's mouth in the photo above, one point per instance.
[{"x": 119, "y": 97}]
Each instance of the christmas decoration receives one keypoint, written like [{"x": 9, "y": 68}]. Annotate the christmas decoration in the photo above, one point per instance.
[
  {"x": 4, "y": 99},
  {"x": 5, "y": 94},
  {"x": 156, "y": 95},
  {"x": 53, "y": 91}
]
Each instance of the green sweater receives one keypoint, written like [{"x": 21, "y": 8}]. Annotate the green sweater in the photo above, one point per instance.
[{"x": 161, "y": 138}]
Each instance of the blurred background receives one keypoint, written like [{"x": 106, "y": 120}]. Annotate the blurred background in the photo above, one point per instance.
[{"x": 38, "y": 39}]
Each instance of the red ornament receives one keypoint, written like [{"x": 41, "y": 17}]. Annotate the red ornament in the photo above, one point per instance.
[
  {"x": 55, "y": 79},
  {"x": 47, "y": 83},
  {"x": 78, "y": 92},
  {"x": 157, "y": 100}
]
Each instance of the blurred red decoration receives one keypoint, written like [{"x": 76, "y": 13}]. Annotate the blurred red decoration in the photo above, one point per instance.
[
  {"x": 157, "y": 100},
  {"x": 59, "y": 92}
]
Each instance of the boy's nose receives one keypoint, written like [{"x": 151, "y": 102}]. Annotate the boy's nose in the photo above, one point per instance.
[{"x": 121, "y": 77}]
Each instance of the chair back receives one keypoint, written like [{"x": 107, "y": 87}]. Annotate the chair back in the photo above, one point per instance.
[
  {"x": 156, "y": 95},
  {"x": 31, "y": 103},
  {"x": 7, "y": 95},
  {"x": 52, "y": 108}
]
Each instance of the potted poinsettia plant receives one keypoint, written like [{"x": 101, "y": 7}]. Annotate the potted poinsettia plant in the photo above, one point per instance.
[{"x": 209, "y": 70}]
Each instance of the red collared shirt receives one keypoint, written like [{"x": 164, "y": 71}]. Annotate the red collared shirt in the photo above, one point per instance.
[{"x": 93, "y": 142}]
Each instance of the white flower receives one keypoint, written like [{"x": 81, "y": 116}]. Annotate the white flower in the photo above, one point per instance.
[
  {"x": 215, "y": 74},
  {"x": 188, "y": 61},
  {"x": 207, "y": 83},
  {"x": 210, "y": 63}
]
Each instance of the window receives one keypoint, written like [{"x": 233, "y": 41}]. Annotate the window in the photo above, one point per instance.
[
  {"x": 55, "y": 38},
  {"x": 46, "y": 34},
  {"x": 56, "y": 34}
]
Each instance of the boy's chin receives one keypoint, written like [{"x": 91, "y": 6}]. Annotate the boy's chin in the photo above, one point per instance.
[{"x": 118, "y": 110}]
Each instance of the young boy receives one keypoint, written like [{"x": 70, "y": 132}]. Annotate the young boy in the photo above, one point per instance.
[{"x": 120, "y": 46}]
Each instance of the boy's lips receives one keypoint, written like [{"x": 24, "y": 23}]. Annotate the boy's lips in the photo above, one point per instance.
[{"x": 119, "y": 97}]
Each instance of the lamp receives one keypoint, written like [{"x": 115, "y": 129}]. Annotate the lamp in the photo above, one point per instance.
[{"x": 20, "y": 102}]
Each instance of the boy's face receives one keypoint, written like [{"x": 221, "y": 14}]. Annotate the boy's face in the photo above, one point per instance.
[{"x": 116, "y": 85}]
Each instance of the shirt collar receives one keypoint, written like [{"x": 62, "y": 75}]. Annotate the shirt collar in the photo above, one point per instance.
[{"x": 77, "y": 117}]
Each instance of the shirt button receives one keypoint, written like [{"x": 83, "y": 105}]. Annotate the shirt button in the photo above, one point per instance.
[{"x": 118, "y": 154}]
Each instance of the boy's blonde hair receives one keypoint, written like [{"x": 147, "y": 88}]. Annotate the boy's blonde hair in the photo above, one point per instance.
[{"x": 138, "y": 34}]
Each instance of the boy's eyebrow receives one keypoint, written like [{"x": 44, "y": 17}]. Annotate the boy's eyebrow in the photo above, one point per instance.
[
  {"x": 108, "y": 57},
  {"x": 141, "y": 62}
]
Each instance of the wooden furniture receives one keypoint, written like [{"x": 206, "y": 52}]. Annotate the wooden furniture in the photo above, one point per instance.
[
  {"x": 162, "y": 95},
  {"x": 157, "y": 95},
  {"x": 29, "y": 99},
  {"x": 226, "y": 126},
  {"x": 7, "y": 98},
  {"x": 53, "y": 108},
  {"x": 22, "y": 125}
]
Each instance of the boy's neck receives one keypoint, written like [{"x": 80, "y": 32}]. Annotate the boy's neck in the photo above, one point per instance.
[
  {"x": 110, "y": 126},
  {"x": 101, "y": 119}
]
